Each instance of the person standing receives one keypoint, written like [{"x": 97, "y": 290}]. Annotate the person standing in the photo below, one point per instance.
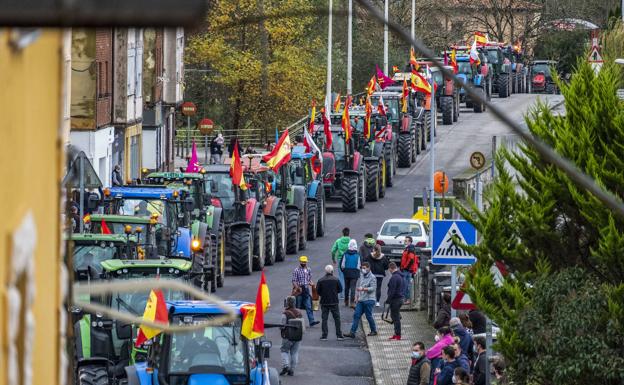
[
  {"x": 479, "y": 365},
  {"x": 350, "y": 266},
  {"x": 396, "y": 290},
  {"x": 465, "y": 339},
  {"x": 366, "y": 248},
  {"x": 443, "y": 317},
  {"x": 366, "y": 287},
  {"x": 409, "y": 266},
  {"x": 116, "y": 178},
  {"x": 302, "y": 284},
  {"x": 341, "y": 245},
  {"x": 420, "y": 370},
  {"x": 445, "y": 374},
  {"x": 379, "y": 264},
  {"x": 289, "y": 349},
  {"x": 461, "y": 377},
  {"x": 443, "y": 338},
  {"x": 216, "y": 149},
  {"x": 478, "y": 321},
  {"x": 328, "y": 288}
]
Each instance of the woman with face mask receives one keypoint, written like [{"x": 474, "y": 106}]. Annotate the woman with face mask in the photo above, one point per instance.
[
  {"x": 366, "y": 287},
  {"x": 421, "y": 366},
  {"x": 443, "y": 339},
  {"x": 461, "y": 377}
]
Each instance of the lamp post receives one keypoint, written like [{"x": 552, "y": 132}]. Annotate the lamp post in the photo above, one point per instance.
[
  {"x": 349, "y": 47},
  {"x": 329, "y": 54},
  {"x": 386, "y": 38}
]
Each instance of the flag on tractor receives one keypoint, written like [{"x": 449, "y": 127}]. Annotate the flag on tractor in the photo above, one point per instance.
[
  {"x": 372, "y": 84},
  {"x": 395, "y": 69},
  {"x": 404, "y": 96},
  {"x": 253, "y": 315},
  {"x": 382, "y": 79},
  {"x": 312, "y": 116},
  {"x": 276, "y": 135},
  {"x": 367, "y": 118},
  {"x": 346, "y": 120},
  {"x": 280, "y": 154},
  {"x": 337, "y": 103},
  {"x": 420, "y": 84},
  {"x": 105, "y": 229},
  {"x": 236, "y": 169},
  {"x": 381, "y": 108},
  {"x": 474, "y": 54},
  {"x": 413, "y": 60},
  {"x": 311, "y": 147},
  {"x": 480, "y": 38},
  {"x": 327, "y": 123},
  {"x": 454, "y": 61},
  {"x": 193, "y": 165},
  {"x": 155, "y": 311}
]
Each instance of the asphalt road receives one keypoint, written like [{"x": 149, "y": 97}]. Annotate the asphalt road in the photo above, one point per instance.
[{"x": 348, "y": 362}]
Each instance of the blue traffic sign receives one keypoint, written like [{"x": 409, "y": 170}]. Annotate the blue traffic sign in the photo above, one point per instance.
[{"x": 444, "y": 251}]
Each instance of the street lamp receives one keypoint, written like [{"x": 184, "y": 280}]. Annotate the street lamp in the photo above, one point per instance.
[
  {"x": 349, "y": 46},
  {"x": 329, "y": 55},
  {"x": 386, "y": 38}
]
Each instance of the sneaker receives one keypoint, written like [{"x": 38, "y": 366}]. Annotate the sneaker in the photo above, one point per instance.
[
  {"x": 377, "y": 304},
  {"x": 407, "y": 302},
  {"x": 291, "y": 373},
  {"x": 349, "y": 335},
  {"x": 340, "y": 338},
  {"x": 323, "y": 338},
  {"x": 372, "y": 334},
  {"x": 314, "y": 323},
  {"x": 394, "y": 338},
  {"x": 284, "y": 371}
]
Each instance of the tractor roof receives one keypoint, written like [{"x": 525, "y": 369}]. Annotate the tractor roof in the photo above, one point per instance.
[
  {"x": 142, "y": 192},
  {"x": 201, "y": 307},
  {"x": 95, "y": 238},
  {"x": 117, "y": 264},
  {"x": 169, "y": 176},
  {"x": 218, "y": 168},
  {"x": 119, "y": 218},
  {"x": 299, "y": 152},
  {"x": 387, "y": 94}
]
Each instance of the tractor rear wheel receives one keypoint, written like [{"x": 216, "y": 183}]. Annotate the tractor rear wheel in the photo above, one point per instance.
[
  {"x": 503, "y": 85},
  {"x": 292, "y": 233},
  {"x": 93, "y": 375},
  {"x": 372, "y": 181},
  {"x": 270, "y": 245},
  {"x": 312, "y": 220},
  {"x": 478, "y": 107},
  {"x": 413, "y": 145},
  {"x": 350, "y": 193},
  {"x": 259, "y": 236},
  {"x": 303, "y": 230},
  {"x": 382, "y": 178},
  {"x": 446, "y": 105},
  {"x": 404, "y": 147},
  {"x": 389, "y": 158},
  {"x": 320, "y": 202},
  {"x": 241, "y": 250},
  {"x": 280, "y": 232},
  {"x": 455, "y": 108},
  {"x": 362, "y": 187},
  {"x": 221, "y": 256}
]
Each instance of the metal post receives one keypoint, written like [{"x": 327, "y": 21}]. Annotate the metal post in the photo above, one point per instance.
[
  {"x": 622, "y": 10},
  {"x": 349, "y": 47},
  {"x": 206, "y": 149},
  {"x": 81, "y": 224},
  {"x": 386, "y": 38},
  {"x": 453, "y": 288},
  {"x": 329, "y": 55},
  {"x": 188, "y": 136},
  {"x": 488, "y": 350},
  {"x": 413, "y": 30},
  {"x": 432, "y": 170}
]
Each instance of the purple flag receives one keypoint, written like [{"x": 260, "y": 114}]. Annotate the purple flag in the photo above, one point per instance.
[
  {"x": 383, "y": 80},
  {"x": 193, "y": 165}
]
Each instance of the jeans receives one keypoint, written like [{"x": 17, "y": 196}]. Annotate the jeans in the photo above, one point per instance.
[
  {"x": 395, "y": 314},
  {"x": 407, "y": 277},
  {"x": 341, "y": 295},
  {"x": 350, "y": 288},
  {"x": 304, "y": 301},
  {"x": 366, "y": 308},
  {"x": 335, "y": 312},
  {"x": 379, "y": 283},
  {"x": 215, "y": 159},
  {"x": 290, "y": 353}
]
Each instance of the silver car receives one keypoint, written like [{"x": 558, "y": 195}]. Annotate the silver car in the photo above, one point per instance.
[{"x": 393, "y": 233}]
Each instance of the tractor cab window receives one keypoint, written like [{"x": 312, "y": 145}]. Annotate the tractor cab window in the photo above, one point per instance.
[
  {"x": 133, "y": 302},
  {"x": 543, "y": 67},
  {"x": 117, "y": 227},
  {"x": 214, "y": 349},
  {"x": 391, "y": 103},
  {"x": 438, "y": 78},
  {"x": 493, "y": 56},
  {"x": 219, "y": 185},
  {"x": 86, "y": 256},
  {"x": 144, "y": 208},
  {"x": 464, "y": 67},
  {"x": 297, "y": 173},
  {"x": 338, "y": 145}
]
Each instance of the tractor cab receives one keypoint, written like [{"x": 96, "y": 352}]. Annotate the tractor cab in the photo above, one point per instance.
[
  {"x": 215, "y": 354},
  {"x": 142, "y": 228},
  {"x": 90, "y": 250},
  {"x": 194, "y": 183}
]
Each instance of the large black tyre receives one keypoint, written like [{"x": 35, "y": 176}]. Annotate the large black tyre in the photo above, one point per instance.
[
  {"x": 259, "y": 236},
  {"x": 446, "y": 105},
  {"x": 405, "y": 151},
  {"x": 479, "y": 107},
  {"x": 503, "y": 85},
  {"x": 382, "y": 178},
  {"x": 423, "y": 139},
  {"x": 389, "y": 158},
  {"x": 350, "y": 193},
  {"x": 280, "y": 232},
  {"x": 92, "y": 375},
  {"x": 362, "y": 188},
  {"x": 414, "y": 138},
  {"x": 312, "y": 220},
  {"x": 468, "y": 103},
  {"x": 221, "y": 256},
  {"x": 241, "y": 250},
  {"x": 303, "y": 230},
  {"x": 270, "y": 244},
  {"x": 292, "y": 231},
  {"x": 372, "y": 181},
  {"x": 320, "y": 212},
  {"x": 456, "y": 108},
  {"x": 514, "y": 83}
]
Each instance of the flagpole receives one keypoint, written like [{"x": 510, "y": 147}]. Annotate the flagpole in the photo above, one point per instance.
[
  {"x": 413, "y": 30},
  {"x": 349, "y": 47},
  {"x": 329, "y": 54},
  {"x": 432, "y": 155},
  {"x": 385, "y": 38}
]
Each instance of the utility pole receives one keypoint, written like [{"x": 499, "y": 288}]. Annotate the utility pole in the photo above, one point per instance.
[
  {"x": 329, "y": 55},
  {"x": 432, "y": 169},
  {"x": 386, "y": 37},
  {"x": 350, "y": 47},
  {"x": 413, "y": 30}
]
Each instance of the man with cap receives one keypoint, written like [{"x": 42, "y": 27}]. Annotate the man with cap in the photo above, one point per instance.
[
  {"x": 465, "y": 340},
  {"x": 328, "y": 288},
  {"x": 302, "y": 282}
]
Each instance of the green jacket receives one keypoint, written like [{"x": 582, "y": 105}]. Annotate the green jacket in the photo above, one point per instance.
[{"x": 339, "y": 248}]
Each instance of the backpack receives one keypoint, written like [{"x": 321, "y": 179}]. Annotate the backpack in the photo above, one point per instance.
[{"x": 294, "y": 331}]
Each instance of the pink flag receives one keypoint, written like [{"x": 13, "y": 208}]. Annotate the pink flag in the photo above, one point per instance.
[
  {"x": 383, "y": 80},
  {"x": 193, "y": 165}
]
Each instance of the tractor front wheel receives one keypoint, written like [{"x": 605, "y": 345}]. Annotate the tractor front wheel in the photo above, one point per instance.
[
  {"x": 93, "y": 375},
  {"x": 259, "y": 236},
  {"x": 280, "y": 232},
  {"x": 405, "y": 151},
  {"x": 320, "y": 222},
  {"x": 241, "y": 250},
  {"x": 270, "y": 245},
  {"x": 350, "y": 193},
  {"x": 446, "y": 105},
  {"x": 292, "y": 233},
  {"x": 503, "y": 85},
  {"x": 312, "y": 220},
  {"x": 372, "y": 181}
]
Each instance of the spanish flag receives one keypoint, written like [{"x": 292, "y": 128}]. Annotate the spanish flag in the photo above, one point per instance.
[
  {"x": 420, "y": 84},
  {"x": 474, "y": 54},
  {"x": 346, "y": 120},
  {"x": 404, "y": 96},
  {"x": 327, "y": 123},
  {"x": 236, "y": 169},
  {"x": 367, "y": 118},
  {"x": 480, "y": 38},
  {"x": 253, "y": 315},
  {"x": 155, "y": 311},
  {"x": 413, "y": 61},
  {"x": 454, "y": 61},
  {"x": 337, "y": 103},
  {"x": 280, "y": 154},
  {"x": 372, "y": 85},
  {"x": 105, "y": 229},
  {"x": 312, "y": 116},
  {"x": 395, "y": 69}
]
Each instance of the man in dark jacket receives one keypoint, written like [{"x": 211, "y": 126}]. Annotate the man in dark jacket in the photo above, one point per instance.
[
  {"x": 396, "y": 288},
  {"x": 350, "y": 266},
  {"x": 366, "y": 248},
  {"x": 478, "y": 321},
  {"x": 444, "y": 314},
  {"x": 480, "y": 364},
  {"x": 289, "y": 349},
  {"x": 445, "y": 377},
  {"x": 421, "y": 366},
  {"x": 465, "y": 340},
  {"x": 379, "y": 264},
  {"x": 328, "y": 288},
  {"x": 116, "y": 179}
]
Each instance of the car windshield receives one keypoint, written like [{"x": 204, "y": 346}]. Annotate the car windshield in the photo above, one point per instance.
[
  {"x": 144, "y": 208},
  {"x": 537, "y": 68},
  {"x": 464, "y": 67},
  {"x": 133, "y": 301},
  {"x": 92, "y": 255},
  {"x": 492, "y": 56},
  {"x": 207, "y": 349},
  {"x": 117, "y": 227},
  {"x": 403, "y": 228}
]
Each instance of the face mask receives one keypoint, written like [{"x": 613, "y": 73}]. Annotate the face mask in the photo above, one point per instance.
[
  {"x": 454, "y": 379},
  {"x": 303, "y": 265},
  {"x": 364, "y": 271},
  {"x": 437, "y": 338},
  {"x": 416, "y": 355}
]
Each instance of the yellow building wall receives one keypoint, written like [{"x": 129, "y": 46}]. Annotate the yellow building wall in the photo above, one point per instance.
[
  {"x": 31, "y": 158},
  {"x": 133, "y": 136}
]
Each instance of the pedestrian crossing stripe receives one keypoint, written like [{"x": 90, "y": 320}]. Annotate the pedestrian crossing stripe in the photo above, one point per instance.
[{"x": 444, "y": 250}]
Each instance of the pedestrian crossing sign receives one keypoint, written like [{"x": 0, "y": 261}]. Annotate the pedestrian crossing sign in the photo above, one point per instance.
[{"x": 445, "y": 251}]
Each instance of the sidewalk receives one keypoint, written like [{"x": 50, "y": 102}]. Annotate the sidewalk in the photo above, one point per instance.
[{"x": 392, "y": 359}]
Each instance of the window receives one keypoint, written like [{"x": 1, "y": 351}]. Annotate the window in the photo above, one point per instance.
[{"x": 403, "y": 228}]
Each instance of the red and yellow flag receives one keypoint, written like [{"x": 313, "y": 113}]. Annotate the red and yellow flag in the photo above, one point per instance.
[
  {"x": 337, "y": 103},
  {"x": 155, "y": 311},
  {"x": 312, "y": 116},
  {"x": 236, "y": 169},
  {"x": 404, "y": 96},
  {"x": 367, "y": 118},
  {"x": 420, "y": 84},
  {"x": 480, "y": 38},
  {"x": 413, "y": 61},
  {"x": 346, "y": 120},
  {"x": 105, "y": 229},
  {"x": 454, "y": 61},
  {"x": 370, "y": 87},
  {"x": 395, "y": 69},
  {"x": 253, "y": 315},
  {"x": 280, "y": 154}
]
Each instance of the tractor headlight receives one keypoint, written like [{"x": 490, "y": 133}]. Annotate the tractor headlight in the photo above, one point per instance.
[{"x": 195, "y": 245}]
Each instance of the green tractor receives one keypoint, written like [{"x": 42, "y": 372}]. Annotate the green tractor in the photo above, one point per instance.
[
  {"x": 142, "y": 228},
  {"x": 206, "y": 219},
  {"x": 500, "y": 68},
  {"x": 91, "y": 249},
  {"x": 305, "y": 173}
]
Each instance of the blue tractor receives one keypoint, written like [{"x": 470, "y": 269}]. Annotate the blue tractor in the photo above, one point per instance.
[
  {"x": 470, "y": 75},
  {"x": 309, "y": 175},
  {"x": 215, "y": 355}
]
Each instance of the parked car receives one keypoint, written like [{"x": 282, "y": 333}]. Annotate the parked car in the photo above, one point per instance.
[{"x": 392, "y": 234}]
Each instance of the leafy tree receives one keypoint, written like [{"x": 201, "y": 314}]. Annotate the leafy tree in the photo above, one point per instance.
[
  {"x": 564, "y": 46},
  {"x": 564, "y": 248}
]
